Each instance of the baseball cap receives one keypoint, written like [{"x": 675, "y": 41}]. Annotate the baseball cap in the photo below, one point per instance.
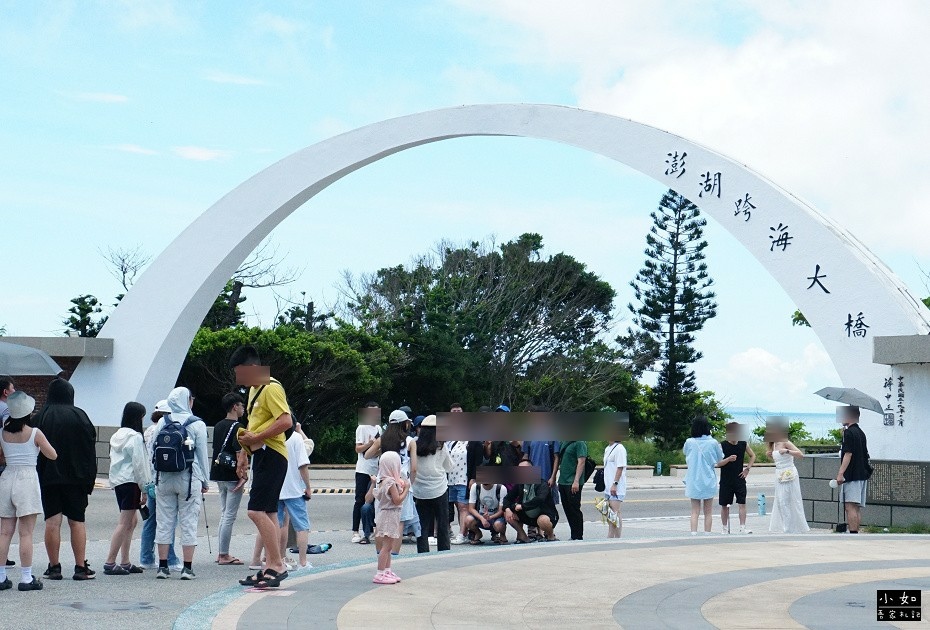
[
  {"x": 397, "y": 416},
  {"x": 503, "y": 408},
  {"x": 418, "y": 420},
  {"x": 162, "y": 407}
]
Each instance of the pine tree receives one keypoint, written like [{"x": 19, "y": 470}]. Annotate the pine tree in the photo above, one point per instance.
[{"x": 675, "y": 301}]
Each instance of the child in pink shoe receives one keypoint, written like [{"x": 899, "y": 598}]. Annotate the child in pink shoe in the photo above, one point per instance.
[{"x": 390, "y": 492}]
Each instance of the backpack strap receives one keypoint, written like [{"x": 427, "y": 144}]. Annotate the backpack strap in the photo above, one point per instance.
[{"x": 255, "y": 400}]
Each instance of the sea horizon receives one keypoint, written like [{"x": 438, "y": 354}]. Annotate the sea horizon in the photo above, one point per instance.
[{"x": 816, "y": 423}]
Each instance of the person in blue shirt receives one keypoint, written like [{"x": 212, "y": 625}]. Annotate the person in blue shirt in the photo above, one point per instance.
[{"x": 703, "y": 455}]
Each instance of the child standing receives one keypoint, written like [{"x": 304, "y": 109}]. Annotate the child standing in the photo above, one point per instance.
[
  {"x": 20, "y": 495},
  {"x": 390, "y": 492}
]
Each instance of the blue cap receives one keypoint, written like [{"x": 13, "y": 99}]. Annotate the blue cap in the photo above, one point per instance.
[
  {"x": 503, "y": 408},
  {"x": 418, "y": 421}
]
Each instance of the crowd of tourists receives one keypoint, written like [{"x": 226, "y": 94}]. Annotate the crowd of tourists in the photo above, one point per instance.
[{"x": 409, "y": 486}]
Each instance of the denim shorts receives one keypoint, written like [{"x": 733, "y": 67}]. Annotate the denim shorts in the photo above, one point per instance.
[
  {"x": 458, "y": 493},
  {"x": 499, "y": 519},
  {"x": 297, "y": 508}
]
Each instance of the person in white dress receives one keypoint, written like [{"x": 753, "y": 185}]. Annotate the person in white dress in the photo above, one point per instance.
[{"x": 788, "y": 507}]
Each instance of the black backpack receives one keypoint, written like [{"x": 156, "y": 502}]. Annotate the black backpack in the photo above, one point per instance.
[{"x": 170, "y": 453}]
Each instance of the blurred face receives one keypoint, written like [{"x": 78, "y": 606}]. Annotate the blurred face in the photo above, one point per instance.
[
  {"x": 252, "y": 375},
  {"x": 369, "y": 415}
]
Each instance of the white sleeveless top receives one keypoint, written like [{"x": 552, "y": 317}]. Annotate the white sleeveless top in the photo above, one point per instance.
[{"x": 24, "y": 454}]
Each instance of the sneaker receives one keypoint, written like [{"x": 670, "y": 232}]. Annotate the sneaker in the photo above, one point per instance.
[
  {"x": 384, "y": 578},
  {"x": 34, "y": 585},
  {"x": 410, "y": 539},
  {"x": 356, "y": 537},
  {"x": 53, "y": 572},
  {"x": 252, "y": 567},
  {"x": 179, "y": 567},
  {"x": 304, "y": 566},
  {"x": 11, "y": 563},
  {"x": 83, "y": 573},
  {"x": 458, "y": 540},
  {"x": 187, "y": 574},
  {"x": 6, "y": 585},
  {"x": 114, "y": 569},
  {"x": 744, "y": 530},
  {"x": 433, "y": 542},
  {"x": 163, "y": 573},
  {"x": 724, "y": 530},
  {"x": 392, "y": 574}
]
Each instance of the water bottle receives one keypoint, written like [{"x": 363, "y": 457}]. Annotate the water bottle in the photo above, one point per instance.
[
  {"x": 761, "y": 505},
  {"x": 659, "y": 469}
]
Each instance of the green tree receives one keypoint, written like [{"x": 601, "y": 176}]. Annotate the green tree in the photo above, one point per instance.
[
  {"x": 85, "y": 316},
  {"x": 327, "y": 373},
  {"x": 673, "y": 291},
  {"x": 225, "y": 312},
  {"x": 478, "y": 320}
]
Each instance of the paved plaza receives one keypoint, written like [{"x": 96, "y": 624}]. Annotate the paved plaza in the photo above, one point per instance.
[{"x": 656, "y": 576}]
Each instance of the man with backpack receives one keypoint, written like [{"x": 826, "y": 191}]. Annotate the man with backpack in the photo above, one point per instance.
[
  {"x": 269, "y": 416},
  {"x": 179, "y": 456}
]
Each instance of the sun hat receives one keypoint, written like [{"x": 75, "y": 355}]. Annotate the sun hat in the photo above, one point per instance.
[
  {"x": 21, "y": 405},
  {"x": 429, "y": 421}
]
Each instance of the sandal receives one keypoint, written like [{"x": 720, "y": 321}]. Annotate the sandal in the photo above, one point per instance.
[
  {"x": 235, "y": 561},
  {"x": 364, "y": 541},
  {"x": 253, "y": 580},
  {"x": 521, "y": 541},
  {"x": 476, "y": 541},
  {"x": 132, "y": 568},
  {"x": 272, "y": 579}
]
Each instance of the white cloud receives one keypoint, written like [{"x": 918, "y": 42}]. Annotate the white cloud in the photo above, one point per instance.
[
  {"x": 200, "y": 154},
  {"x": 138, "y": 14},
  {"x": 756, "y": 377},
  {"x": 233, "y": 79},
  {"x": 828, "y": 99},
  {"x": 134, "y": 148},
  {"x": 96, "y": 97},
  {"x": 277, "y": 25}
]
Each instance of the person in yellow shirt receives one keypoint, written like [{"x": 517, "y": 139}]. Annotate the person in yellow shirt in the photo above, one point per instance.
[{"x": 269, "y": 416}]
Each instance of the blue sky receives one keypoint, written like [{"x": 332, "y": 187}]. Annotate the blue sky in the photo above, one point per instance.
[{"x": 122, "y": 121}]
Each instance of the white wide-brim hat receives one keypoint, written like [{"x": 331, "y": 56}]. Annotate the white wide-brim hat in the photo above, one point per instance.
[{"x": 21, "y": 405}]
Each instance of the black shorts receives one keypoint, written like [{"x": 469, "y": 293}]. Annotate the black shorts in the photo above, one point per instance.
[
  {"x": 730, "y": 488},
  {"x": 68, "y": 500},
  {"x": 269, "y": 468},
  {"x": 532, "y": 522},
  {"x": 128, "y": 496}
]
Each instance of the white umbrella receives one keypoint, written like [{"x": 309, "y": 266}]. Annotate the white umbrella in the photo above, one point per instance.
[
  {"x": 851, "y": 396},
  {"x": 17, "y": 360}
]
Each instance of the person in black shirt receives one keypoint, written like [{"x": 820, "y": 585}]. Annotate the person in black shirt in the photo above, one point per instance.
[
  {"x": 733, "y": 477},
  {"x": 854, "y": 468},
  {"x": 226, "y": 478}
]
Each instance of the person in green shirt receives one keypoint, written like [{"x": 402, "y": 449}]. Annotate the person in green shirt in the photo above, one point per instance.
[{"x": 570, "y": 462}]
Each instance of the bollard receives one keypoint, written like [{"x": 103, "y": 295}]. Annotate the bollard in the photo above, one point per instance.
[
  {"x": 761, "y": 505},
  {"x": 659, "y": 468}
]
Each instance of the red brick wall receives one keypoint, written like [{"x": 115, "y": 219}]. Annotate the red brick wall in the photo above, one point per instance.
[{"x": 37, "y": 386}]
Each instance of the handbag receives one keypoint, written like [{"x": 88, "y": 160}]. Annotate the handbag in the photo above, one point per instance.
[
  {"x": 599, "y": 484},
  {"x": 225, "y": 459}
]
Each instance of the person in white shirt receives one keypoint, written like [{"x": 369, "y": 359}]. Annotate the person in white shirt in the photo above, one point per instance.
[
  {"x": 486, "y": 511},
  {"x": 431, "y": 487},
  {"x": 295, "y": 493},
  {"x": 368, "y": 431},
  {"x": 615, "y": 479}
]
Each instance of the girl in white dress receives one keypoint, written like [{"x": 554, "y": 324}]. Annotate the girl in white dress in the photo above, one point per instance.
[{"x": 788, "y": 507}]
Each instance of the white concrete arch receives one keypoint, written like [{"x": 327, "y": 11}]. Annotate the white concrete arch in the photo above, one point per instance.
[{"x": 154, "y": 324}]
